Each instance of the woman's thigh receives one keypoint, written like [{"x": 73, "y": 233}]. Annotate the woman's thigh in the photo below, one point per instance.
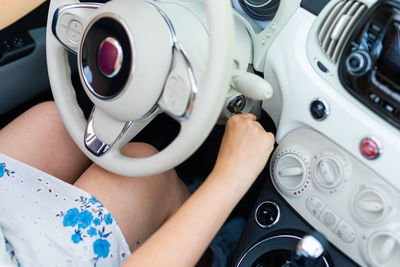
[
  {"x": 38, "y": 138},
  {"x": 139, "y": 205}
]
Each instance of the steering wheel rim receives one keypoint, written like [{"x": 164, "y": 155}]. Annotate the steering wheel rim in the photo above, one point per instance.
[{"x": 206, "y": 109}]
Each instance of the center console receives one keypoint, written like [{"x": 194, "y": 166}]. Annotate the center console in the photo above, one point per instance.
[
  {"x": 334, "y": 194},
  {"x": 333, "y": 172}
]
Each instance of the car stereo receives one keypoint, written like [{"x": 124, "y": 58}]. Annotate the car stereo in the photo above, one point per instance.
[{"x": 370, "y": 64}]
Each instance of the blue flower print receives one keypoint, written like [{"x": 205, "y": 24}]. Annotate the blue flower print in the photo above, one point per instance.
[
  {"x": 85, "y": 219},
  {"x": 108, "y": 219},
  {"x": 91, "y": 222},
  {"x": 71, "y": 218},
  {"x": 76, "y": 238},
  {"x": 92, "y": 231},
  {"x": 93, "y": 199},
  {"x": 101, "y": 247},
  {"x": 96, "y": 221},
  {"x": 2, "y": 169}
]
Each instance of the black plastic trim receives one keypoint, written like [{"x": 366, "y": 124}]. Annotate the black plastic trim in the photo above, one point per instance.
[
  {"x": 314, "y": 6},
  {"x": 16, "y": 46}
]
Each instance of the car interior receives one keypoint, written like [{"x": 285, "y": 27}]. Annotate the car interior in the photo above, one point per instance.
[{"x": 319, "y": 74}]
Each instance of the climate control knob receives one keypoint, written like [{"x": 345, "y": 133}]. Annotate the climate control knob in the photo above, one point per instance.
[
  {"x": 291, "y": 173},
  {"x": 383, "y": 249},
  {"x": 371, "y": 205},
  {"x": 358, "y": 63},
  {"x": 328, "y": 170}
]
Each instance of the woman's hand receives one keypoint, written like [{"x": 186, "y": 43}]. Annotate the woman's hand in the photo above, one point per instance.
[
  {"x": 182, "y": 240},
  {"x": 245, "y": 149}
]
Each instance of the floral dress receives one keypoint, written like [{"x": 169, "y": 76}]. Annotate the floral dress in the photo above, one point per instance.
[{"x": 47, "y": 222}]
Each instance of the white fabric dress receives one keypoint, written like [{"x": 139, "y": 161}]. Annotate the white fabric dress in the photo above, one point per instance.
[{"x": 47, "y": 222}]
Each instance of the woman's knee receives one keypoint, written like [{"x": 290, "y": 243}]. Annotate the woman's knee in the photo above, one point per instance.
[{"x": 138, "y": 150}]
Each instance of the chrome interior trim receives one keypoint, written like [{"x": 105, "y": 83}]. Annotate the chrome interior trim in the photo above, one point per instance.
[
  {"x": 277, "y": 217},
  {"x": 133, "y": 55},
  {"x": 64, "y": 8},
  {"x": 269, "y": 239},
  {"x": 257, "y": 6},
  {"x": 94, "y": 144},
  {"x": 179, "y": 50},
  {"x": 327, "y": 111},
  {"x": 309, "y": 246}
]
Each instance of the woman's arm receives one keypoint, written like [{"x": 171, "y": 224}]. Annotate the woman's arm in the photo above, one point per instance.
[
  {"x": 13, "y": 10},
  {"x": 182, "y": 240}
]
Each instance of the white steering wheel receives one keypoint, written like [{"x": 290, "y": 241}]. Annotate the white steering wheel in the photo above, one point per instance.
[{"x": 133, "y": 66}]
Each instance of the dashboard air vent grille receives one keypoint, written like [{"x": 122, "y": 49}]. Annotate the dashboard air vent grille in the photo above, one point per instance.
[{"x": 338, "y": 25}]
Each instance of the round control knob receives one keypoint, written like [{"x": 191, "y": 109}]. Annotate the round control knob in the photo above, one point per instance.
[
  {"x": 358, "y": 63},
  {"x": 328, "y": 171},
  {"x": 383, "y": 249},
  {"x": 290, "y": 173},
  {"x": 267, "y": 214},
  {"x": 319, "y": 109},
  {"x": 371, "y": 205}
]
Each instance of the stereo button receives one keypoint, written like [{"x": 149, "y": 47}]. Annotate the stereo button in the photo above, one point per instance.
[
  {"x": 375, "y": 28},
  {"x": 358, "y": 63}
]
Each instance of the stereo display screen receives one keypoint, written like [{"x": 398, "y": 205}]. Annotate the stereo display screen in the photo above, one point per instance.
[{"x": 389, "y": 61}]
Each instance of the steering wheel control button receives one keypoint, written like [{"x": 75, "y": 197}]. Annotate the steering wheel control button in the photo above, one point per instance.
[
  {"x": 345, "y": 232},
  {"x": 319, "y": 109},
  {"x": 106, "y": 57},
  {"x": 180, "y": 88},
  {"x": 370, "y": 148},
  {"x": 176, "y": 94},
  {"x": 267, "y": 214},
  {"x": 75, "y": 31},
  {"x": 358, "y": 63},
  {"x": 110, "y": 57},
  {"x": 315, "y": 206}
]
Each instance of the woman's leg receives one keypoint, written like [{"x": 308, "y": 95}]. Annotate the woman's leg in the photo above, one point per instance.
[
  {"x": 38, "y": 138},
  {"x": 139, "y": 205}
]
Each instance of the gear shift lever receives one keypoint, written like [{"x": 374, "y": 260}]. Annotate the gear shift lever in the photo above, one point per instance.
[{"x": 309, "y": 251}]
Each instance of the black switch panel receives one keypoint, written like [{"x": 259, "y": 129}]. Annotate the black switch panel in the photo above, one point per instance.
[{"x": 15, "y": 46}]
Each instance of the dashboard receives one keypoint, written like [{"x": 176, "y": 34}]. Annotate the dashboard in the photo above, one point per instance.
[{"x": 334, "y": 67}]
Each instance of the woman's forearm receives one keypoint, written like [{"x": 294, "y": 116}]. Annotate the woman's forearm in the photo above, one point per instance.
[
  {"x": 13, "y": 10},
  {"x": 182, "y": 240}
]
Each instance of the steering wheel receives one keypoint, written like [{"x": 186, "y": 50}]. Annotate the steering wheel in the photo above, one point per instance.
[{"x": 132, "y": 66}]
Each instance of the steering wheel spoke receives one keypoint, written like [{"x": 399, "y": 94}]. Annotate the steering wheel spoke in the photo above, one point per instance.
[
  {"x": 104, "y": 133},
  {"x": 180, "y": 87},
  {"x": 69, "y": 23}
]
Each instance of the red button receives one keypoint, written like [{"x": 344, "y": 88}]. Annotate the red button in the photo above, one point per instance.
[
  {"x": 109, "y": 57},
  {"x": 369, "y": 148}
]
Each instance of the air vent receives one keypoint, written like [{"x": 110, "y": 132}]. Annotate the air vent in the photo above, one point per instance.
[{"x": 338, "y": 25}]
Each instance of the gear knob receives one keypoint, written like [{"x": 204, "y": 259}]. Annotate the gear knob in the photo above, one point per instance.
[{"x": 309, "y": 251}]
